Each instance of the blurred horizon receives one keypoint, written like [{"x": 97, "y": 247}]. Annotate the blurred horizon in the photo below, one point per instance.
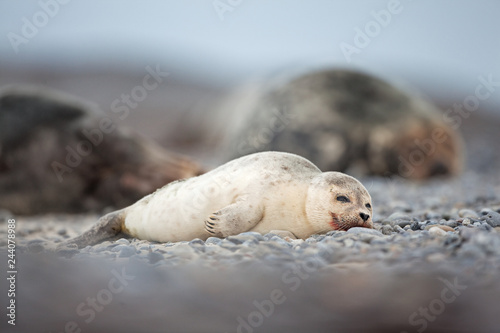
[{"x": 441, "y": 48}]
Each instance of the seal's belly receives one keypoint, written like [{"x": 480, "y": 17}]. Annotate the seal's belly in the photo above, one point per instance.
[{"x": 178, "y": 212}]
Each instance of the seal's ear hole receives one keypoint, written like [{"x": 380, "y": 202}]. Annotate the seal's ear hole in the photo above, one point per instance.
[{"x": 343, "y": 198}]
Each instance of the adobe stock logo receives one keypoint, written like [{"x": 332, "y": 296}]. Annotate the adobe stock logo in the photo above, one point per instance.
[
  {"x": 436, "y": 307},
  {"x": 372, "y": 29}
]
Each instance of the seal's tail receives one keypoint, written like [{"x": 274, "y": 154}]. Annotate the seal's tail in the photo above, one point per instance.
[{"x": 107, "y": 226}]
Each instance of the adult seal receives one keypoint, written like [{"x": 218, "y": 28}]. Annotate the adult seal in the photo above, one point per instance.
[
  {"x": 262, "y": 192},
  {"x": 59, "y": 153},
  {"x": 342, "y": 120}
]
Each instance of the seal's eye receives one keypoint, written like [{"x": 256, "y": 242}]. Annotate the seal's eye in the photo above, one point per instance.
[
  {"x": 368, "y": 206},
  {"x": 343, "y": 198}
]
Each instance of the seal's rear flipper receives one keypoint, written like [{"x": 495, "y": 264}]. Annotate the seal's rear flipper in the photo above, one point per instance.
[{"x": 108, "y": 226}]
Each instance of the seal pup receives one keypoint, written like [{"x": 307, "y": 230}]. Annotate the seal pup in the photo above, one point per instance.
[
  {"x": 342, "y": 120},
  {"x": 61, "y": 154},
  {"x": 262, "y": 192}
]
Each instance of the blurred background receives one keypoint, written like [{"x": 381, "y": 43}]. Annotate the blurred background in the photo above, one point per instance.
[{"x": 100, "y": 50}]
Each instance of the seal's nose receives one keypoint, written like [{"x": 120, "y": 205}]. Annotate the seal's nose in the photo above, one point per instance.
[{"x": 364, "y": 216}]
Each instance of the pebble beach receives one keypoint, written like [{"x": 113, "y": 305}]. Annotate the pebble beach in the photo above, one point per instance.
[{"x": 430, "y": 265}]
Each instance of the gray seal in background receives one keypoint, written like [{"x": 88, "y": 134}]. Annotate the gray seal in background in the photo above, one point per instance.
[{"x": 342, "y": 120}]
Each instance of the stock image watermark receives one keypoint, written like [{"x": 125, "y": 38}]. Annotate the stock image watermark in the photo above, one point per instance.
[
  {"x": 293, "y": 279},
  {"x": 11, "y": 271},
  {"x": 88, "y": 309},
  {"x": 486, "y": 87},
  {"x": 281, "y": 118},
  {"x": 222, "y": 7},
  {"x": 32, "y": 25},
  {"x": 436, "y": 307},
  {"x": 363, "y": 36},
  {"x": 453, "y": 117},
  {"x": 120, "y": 108}
]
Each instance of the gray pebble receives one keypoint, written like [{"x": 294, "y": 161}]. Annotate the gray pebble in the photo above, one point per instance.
[
  {"x": 398, "y": 229},
  {"x": 415, "y": 226},
  {"x": 317, "y": 237},
  {"x": 451, "y": 223},
  {"x": 228, "y": 245},
  {"x": 280, "y": 241},
  {"x": 62, "y": 232},
  {"x": 387, "y": 230},
  {"x": 397, "y": 218},
  {"x": 403, "y": 224},
  {"x": 492, "y": 218},
  {"x": 116, "y": 247},
  {"x": 154, "y": 257},
  {"x": 357, "y": 231},
  {"x": 122, "y": 241},
  {"x": 334, "y": 233},
  {"x": 245, "y": 236},
  {"x": 468, "y": 213},
  {"x": 486, "y": 211},
  {"x": 196, "y": 242},
  {"x": 435, "y": 231},
  {"x": 127, "y": 251},
  {"x": 213, "y": 241}
]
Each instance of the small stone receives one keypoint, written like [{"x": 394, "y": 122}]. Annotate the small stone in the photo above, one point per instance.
[
  {"x": 318, "y": 237},
  {"x": 415, "y": 225},
  {"x": 213, "y": 241},
  {"x": 397, "y": 218},
  {"x": 466, "y": 222},
  {"x": 62, "y": 232},
  {"x": 127, "y": 251},
  {"x": 442, "y": 227},
  {"x": 196, "y": 242},
  {"x": 398, "y": 229},
  {"x": 468, "y": 213},
  {"x": 451, "y": 223},
  {"x": 387, "y": 230},
  {"x": 245, "y": 236},
  {"x": 334, "y": 233},
  {"x": 358, "y": 230},
  {"x": 486, "y": 211},
  {"x": 492, "y": 218},
  {"x": 123, "y": 241},
  {"x": 154, "y": 257},
  {"x": 348, "y": 242},
  {"x": 435, "y": 231}
]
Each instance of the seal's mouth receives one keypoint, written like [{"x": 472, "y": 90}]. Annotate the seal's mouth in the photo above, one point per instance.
[{"x": 338, "y": 223}]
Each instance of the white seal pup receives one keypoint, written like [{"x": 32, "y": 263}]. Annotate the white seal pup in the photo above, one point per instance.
[{"x": 262, "y": 192}]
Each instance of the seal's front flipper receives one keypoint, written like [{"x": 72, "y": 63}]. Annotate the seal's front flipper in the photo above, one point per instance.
[
  {"x": 108, "y": 226},
  {"x": 233, "y": 219}
]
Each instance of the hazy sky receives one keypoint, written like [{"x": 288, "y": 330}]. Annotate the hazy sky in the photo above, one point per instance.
[{"x": 445, "y": 44}]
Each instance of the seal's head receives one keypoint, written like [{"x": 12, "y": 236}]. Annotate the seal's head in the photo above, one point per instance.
[{"x": 336, "y": 201}]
